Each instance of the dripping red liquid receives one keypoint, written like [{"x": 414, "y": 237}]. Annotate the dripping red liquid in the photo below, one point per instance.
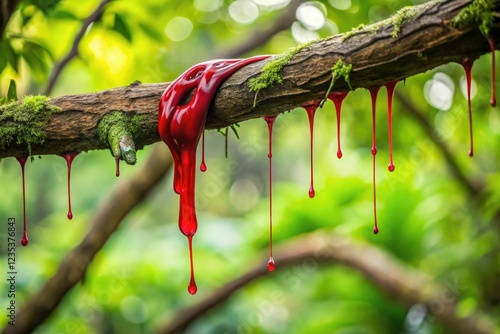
[
  {"x": 117, "y": 168},
  {"x": 390, "y": 86},
  {"x": 270, "y": 122},
  {"x": 69, "y": 157},
  {"x": 311, "y": 107},
  {"x": 181, "y": 124},
  {"x": 22, "y": 163},
  {"x": 467, "y": 65},
  {"x": 338, "y": 98},
  {"x": 373, "y": 94},
  {"x": 192, "y": 288},
  {"x": 203, "y": 166},
  {"x": 493, "y": 100}
]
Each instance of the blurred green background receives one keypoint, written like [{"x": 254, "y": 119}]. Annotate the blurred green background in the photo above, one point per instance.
[{"x": 138, "y": 281}]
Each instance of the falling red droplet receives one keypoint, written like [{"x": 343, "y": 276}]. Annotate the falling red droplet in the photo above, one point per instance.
[
  {"x": 181, "y": 124},
  {"x": 69, "y": 157},
  {"x": 493, "y": 100},
  {"x": 22, "y": 163},
  {"x": 373, "y": 94},
  {"x": 390, "y": 86},
  {"x": 203, "y": 167},
  {"x": 117, "y": 168},
  {"x": 270, "y": 122},
  {"x": 192, "y": 288},
  {"x": 270, "y": 264},
  {"x": 311, "y": 107},
  {"x": 338, "y": 98},
  {"x": 467, "y": 65}
]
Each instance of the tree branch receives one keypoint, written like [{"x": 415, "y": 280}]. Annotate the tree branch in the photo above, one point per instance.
[
  {"x": 401, "y": 283},
  {"x": 7, "y": 8},
  {"x": 73, "y": 52},
  {"x": 424, "y": 42},
  {"x": 123, "y": 199}
]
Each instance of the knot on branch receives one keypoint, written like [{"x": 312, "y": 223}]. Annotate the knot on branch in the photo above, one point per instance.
[{"x": 117, "y": 130}]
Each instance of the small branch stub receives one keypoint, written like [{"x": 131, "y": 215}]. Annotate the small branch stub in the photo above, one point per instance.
[{"x": 116, "y": 130}]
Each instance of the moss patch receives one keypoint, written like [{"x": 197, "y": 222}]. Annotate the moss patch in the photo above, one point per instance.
[
  {"x": 117, "y": 130},
  {"x": 339, "y": 70},
  {"x": 478, "y": 14},
  {"x": 22, "y": 122},
  {"x": 271, "y": 72},
  {"x": 398, "y": 20}
]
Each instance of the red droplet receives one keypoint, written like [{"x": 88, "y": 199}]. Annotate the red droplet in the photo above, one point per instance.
[
  {"x": 203, "y": 166},
  {"x": 373, "y": 94},
  {"x": 69, "y": 157},
  {"x": 493, "y": 100},
  {"x": 338, "y": 98},
  {"x": 181, "y": 124},
  {"x": 270, "y": 122},
  {"x": 270, "y": 264},
  {"x": 311, "y": 107},
  {"x": 467, "y": 65},
  {"x": 117, "y": 168},
  {"x": 390, "y": 86},
  {"x": 192, "y": 288},
  {"x": 22, "y": 163}
]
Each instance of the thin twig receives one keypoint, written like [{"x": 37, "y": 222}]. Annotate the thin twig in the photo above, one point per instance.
[
  {"x": 73, "y": 52},
  {"x": 403, "y": 284}
]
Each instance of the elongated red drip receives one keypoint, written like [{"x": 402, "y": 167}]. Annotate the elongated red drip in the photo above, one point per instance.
[
  {"x": 203, "y": 166},
  {"x": 338, "y": 98},
  {"x": 69, "y": 157},
  {"x": 311, "y": 107},
  {"x": 493, "y": 100},
  {"x": 373, "y": 94},
  {"x": 390, "y": 86},
  {"x": 181, "y": 124},
  {"x": 192, "y": 288},
  {"x": 270, "y": 122},
  {"x": 467, "y": 65},
  {"x": 22, "y": 163},
  {"x": 117, "y": 167}
]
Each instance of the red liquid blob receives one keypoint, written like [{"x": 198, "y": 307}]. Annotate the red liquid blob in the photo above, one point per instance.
[
  {"x": 270, "y": 122},
  {"x": 270, "y": 264},
  {"x": 493, "y": 100},
  {"x": 69, "y": 157},
  {"x": 203, "y": 166},
  {"x": 117, "y": 168},
  {"x": 22, "y": 163},
  {"x": 181, "y": 124},
  {"x": 390, "y": 86},
  {"x": 467, "y": 65},
  {"x": 338, "y": 98},
  {"x": 373, "y": 95},
  {"x": 192, "y": 288},
  {"x": 311, "y": 107}
]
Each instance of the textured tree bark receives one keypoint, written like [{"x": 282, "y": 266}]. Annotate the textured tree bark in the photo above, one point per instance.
[{"x": 424, "y": 42}]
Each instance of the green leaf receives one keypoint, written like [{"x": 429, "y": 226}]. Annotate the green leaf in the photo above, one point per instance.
[
  {"x": 122, "y": 27},
  {"x": 64, "y": 15},
  {"x": 3, "y": 60},
  {"x": 151, "y": 32},
  {"x": 12, "y": 93},
  {"x": 36, "y": 64},
  {"x": 11, "y": 56}
]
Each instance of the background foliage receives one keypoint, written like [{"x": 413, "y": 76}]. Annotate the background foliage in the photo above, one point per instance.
[{"x": 138, "y": 281}]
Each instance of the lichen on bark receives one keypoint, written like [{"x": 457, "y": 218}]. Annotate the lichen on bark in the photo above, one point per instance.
[{"x": 23, "y": 121}]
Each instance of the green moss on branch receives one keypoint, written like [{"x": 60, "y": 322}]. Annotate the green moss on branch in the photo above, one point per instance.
[
  {"x": 478, "y": 14},
  {"x": 23, "y": 122},
  {"x": 271, "y": 72},
  {"x": 339, "y": 70},
  {"x": 118, "y": 130}
]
